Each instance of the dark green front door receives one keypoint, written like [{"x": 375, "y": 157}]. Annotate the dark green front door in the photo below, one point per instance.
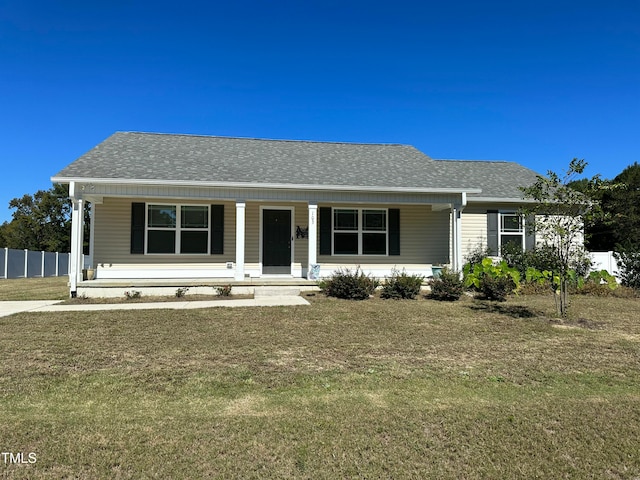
[{"x": 276, "y": 241}]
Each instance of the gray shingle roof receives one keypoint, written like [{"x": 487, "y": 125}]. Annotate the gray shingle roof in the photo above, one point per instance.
[
  {"x": 497, "y": 179},
  {"x": 130, "y": 156}
]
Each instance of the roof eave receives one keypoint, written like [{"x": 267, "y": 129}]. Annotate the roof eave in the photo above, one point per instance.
[
  {"x": 475, "y": 199},
  {"x": 280, "y": 186}
]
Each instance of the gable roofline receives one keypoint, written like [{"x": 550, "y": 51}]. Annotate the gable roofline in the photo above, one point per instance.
[
  {"x": 262, "y": 139},
  {"x": 278, "y": 186}
]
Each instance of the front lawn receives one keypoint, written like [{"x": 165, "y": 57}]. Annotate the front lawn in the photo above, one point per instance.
[
  {"x": 48, "y": 288},
  {"x": 340, "y": 389}
]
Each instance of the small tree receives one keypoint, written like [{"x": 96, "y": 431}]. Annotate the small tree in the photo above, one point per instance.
[{"x": 560, "y": 212}]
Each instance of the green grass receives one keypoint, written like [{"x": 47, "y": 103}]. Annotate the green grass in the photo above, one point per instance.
[
  {"x": 49, "y": 288},
  {"x": 373, "y": 389}
]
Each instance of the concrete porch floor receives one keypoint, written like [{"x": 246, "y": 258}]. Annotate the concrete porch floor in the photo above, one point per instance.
[{"x": 195, "y": 286}]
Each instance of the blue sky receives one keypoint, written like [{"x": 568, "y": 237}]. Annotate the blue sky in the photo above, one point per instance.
[{"x": 535, "y": 82}]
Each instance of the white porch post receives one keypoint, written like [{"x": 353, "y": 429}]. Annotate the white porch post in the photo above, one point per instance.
[
  {"x": 92, "y": 226},
  {"x": 455, "y": 238},
  {"x": 77, "y": 217},
  {"x": 312, "y": 237},
  {"x": 240, "y": 229},
  {"x": 456, "y": 234}
]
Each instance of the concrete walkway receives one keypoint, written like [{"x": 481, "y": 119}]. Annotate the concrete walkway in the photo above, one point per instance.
[{"x": 9, "y": 308}]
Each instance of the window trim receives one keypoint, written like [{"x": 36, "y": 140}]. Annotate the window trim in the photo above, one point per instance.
[
  {"x": 501, "y": 232},
  {"x": 178, "y": 229},
  {"x": 360, "y": 231}
]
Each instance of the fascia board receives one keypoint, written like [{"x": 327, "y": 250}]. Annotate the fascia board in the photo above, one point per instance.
[
  {"x": 282, "y": 186},
  {"x": 498, "y": 200}
]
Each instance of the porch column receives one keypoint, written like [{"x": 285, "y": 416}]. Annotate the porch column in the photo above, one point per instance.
[
  {"x": 312, "y": 237},
  {"x": 240, "y": 215},
  {"x": 92, "y": 226},
  {"x": 455, "y": 238},
  {"x": 456, "y": 233},
  {"x": 75, "y": 257}
]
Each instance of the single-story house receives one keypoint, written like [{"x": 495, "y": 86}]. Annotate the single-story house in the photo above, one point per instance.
[{"x": 171, "y": 206}]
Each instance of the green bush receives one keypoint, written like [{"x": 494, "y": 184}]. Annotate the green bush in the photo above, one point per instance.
[
  {"x": 349, "y": 284},
  {"x": 541, "y": 258},
  {"x": 493, "y": 281},
  {"x": 447, "y": 287},
  {"x": 604, "y": 278},
  {"x": 401, "y": 285},
  {"x": 497, "y": 288}
]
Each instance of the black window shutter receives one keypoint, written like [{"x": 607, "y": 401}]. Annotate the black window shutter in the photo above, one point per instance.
[
  {"x": 217, "y": 229},
  {"x": 492, "y": 231},
  {"x": 530, "y": 234},
  {"x": 394, "y": 231},
  {"x": 137, "y": 228},
  {"x": 325, "y": 230}
]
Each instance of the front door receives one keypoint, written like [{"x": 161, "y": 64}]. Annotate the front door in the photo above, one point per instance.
[{"x": 276, "y": 242}]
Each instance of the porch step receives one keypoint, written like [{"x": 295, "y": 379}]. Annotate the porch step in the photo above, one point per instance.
[{"x": 275, "y": 291}]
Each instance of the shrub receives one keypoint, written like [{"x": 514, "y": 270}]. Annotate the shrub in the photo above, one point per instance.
[
  {"x": 535, "y": 288},
  {"x": 181, "y": 292},
  {"x": 594, "y": 289},
  {"x": 541, "y": 258},
  {"x": 447, "y": 287},
  {"x": 604, "y": 278},
  {"x": 401, "y": 285},
  {"x": 494, "y": 282},
  {"x": 629, "y": 262},
  {"x": 223, "y": 290},
  {"x": 348, "y": 284},
  {"x": 497, "y": 288}
]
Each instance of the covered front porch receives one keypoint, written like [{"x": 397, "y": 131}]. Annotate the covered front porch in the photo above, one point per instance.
[{"x": 264, "y": 238}]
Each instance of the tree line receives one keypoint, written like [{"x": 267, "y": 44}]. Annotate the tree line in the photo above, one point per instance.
[
  {"x": 618, "y": 229},
  {"x": 41, "y": 221}
]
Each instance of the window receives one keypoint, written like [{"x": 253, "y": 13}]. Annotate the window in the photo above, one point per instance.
[
  {"x": 511, "y": 230},
  {"x": 359, "y": 231},
  {"x": 180, "y": 229}
]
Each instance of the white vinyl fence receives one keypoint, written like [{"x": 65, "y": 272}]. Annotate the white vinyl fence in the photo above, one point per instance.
[
  {"x": 605, "y": 261},
  {"x": 27, "y": 263}
]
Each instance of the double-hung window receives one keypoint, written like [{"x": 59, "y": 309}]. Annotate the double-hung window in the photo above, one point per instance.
[
  {"x": 178, "y": 229},
  {"x": 511, "y": 230},
  {"x": 359, "y": 231}
]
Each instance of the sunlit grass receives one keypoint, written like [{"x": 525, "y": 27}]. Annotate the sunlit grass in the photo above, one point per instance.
[{"x": 48, "y": 288}]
